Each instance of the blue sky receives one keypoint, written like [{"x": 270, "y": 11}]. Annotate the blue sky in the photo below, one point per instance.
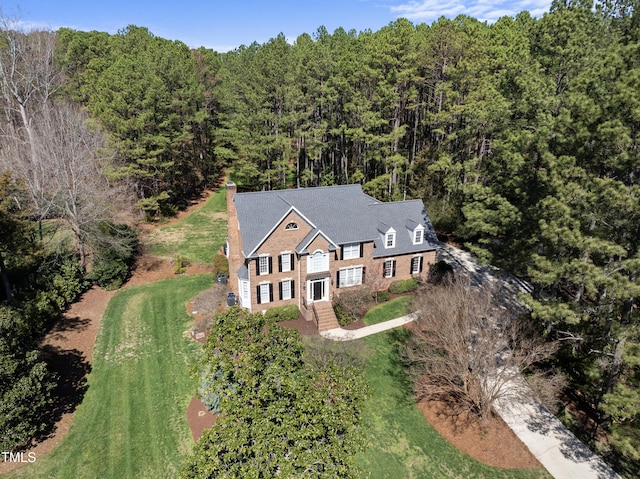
[{"x": 224, "y": 25}]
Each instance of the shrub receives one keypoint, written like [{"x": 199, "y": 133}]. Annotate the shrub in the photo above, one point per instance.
[
  {"x": 180, "y": 264},
  {"x": 289, "y": 312},
  {"x": 206, "y": 390},
  {"x": 440, "y": 271},
  {"x": 351, "y": 305},
  {"x": 114, "y": 254},
  {"x": 382, "y": 296},
  {"x": 403, "y": 286},
  {"x": 220, "y": 265}
]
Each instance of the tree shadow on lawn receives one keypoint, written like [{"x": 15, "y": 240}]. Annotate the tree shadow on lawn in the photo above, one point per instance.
[
  {"x": 403, "y": 391},
  {"x": 71, "y": 369}
]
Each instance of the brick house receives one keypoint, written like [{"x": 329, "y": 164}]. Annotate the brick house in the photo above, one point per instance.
[{"x": 304, "y": 246}]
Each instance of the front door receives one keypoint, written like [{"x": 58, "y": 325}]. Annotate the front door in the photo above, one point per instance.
[
  {"x": 318, "y": 286},
  {"x": 317, "y": 290}
]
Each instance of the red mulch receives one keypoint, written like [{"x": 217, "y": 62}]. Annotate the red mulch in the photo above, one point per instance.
[
  {"x": 490, "y": 441},
  {"x": 304, "y": 327},
  {"x": 199, "y": 418}
]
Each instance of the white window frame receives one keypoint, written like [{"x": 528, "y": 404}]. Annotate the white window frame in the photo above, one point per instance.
[
  {"x": 265, "y": 293},
  {"x": 286, "y": 282},
  {"x": 388, "y": 268},
  {"x": 351, "y": 276},
  {"x": 418, "y": 234},
  {"x": 286, "y": 267},
  {"x": 263, "y": 265},
  {"x": 417, "y": 260},
  {"x": 351, "y": 251},
  {"x": 318, "y": 262},
  {"x": 390, "y": 239}
]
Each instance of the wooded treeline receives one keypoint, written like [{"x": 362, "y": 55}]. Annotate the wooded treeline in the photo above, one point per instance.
[{"x": 521, "y": 137}]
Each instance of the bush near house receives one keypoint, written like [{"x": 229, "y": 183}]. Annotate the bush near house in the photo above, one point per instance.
[
  {"x": 220, "y": 265},
  {"x": 289, "y": 312},
  {"x": 403, "y": 286},
  {"x": 351, "y": 305}
]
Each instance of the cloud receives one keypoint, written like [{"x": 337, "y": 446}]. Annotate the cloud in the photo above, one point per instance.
[{"x": 483, "y": 10}]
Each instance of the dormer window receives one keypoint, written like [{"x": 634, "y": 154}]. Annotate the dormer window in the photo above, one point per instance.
[
  {"x": 418, "y": 234},
  {"x": 291, "y": 226},
  {"x": 390, "y": 238}
]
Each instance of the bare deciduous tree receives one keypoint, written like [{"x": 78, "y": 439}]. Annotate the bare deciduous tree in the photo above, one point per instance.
[
  {"x": 29, "y": 77},
  {"x": 466, "y": 349}
]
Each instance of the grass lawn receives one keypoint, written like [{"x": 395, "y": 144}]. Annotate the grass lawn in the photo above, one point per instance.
[
  {"x": 132, "y": 420},
  {"x": 197, "y": 236},
  {"x": 402, "y": 444}
]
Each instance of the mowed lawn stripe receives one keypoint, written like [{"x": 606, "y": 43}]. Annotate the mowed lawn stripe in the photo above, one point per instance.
[{"x": 132, "y": 421}]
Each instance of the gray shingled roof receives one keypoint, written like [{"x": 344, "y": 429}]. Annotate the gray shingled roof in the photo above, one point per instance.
[{"x": 344, "y": 213}]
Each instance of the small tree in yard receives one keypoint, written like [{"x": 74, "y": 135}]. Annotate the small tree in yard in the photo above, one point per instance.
[{"x": 466, "y": 349}]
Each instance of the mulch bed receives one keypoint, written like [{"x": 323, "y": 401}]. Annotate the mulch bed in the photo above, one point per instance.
[
  {"x": 199, "y": 418},
  {"x": 304, "y": 327}
]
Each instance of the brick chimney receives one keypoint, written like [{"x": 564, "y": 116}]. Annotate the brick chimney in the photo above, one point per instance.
[{"x": 235, "y": 244}]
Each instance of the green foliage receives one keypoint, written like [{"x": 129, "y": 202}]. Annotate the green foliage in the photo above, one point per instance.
[
  {"x": 288, "y": 312},
  {"x": 351, "y": 305},
  {"x": 403, "y": 286},
  {"x": 220, "y": 265},
  {"x": 206, "y": 392},
  {"x": 114, "y": 255},
  {"x": 279, "y": 417},
  {"x": 25, "y": 383},
  {"x": 180, "y": 264},
  {"x": 383, "y": 296}
]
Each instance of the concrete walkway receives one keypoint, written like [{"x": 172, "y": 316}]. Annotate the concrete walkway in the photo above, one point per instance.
[{"x": 339, "y": 334}]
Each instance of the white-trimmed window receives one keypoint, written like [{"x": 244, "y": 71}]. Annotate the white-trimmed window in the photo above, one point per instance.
[
  {"x": 351, "y": 251},
  {"x": 390, "y": 238},
  {"x": 389, "y": 268},
  {"x": 264, "y": 265},
  {"x": 291, "y": 226},
  {"x": 285, "y": 262},
  {"x": 418, "y": 235},
  {"x": 286, "y": 289},
  {"x": 265, "y": 293},
  {"x": 416, "y": 265},
  {"x": 350, "y": 276},
  {"x": 317, "y": 262}
]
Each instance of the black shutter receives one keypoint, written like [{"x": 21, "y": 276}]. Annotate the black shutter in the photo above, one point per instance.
[
  {"x": 292, "y": 262},
  {"x": 293, "y": 289},
  {"x": 362, "y": 250},
  {"x": 280, "y": 290},
  {"x": 420, "y": 268},
  {"x": 270, "y": 293},
  {"x": 384, "y": 269},
  {"x": 258, "y": 267},
  {"x": 337, "y": 279},
  {"x": 363, "y": 271},
  {"x": 270, "y": 265},
  {"x": 393, "y": 269},
  {"x": 341, "y": 253},
  {"x": 279, "y": 263},
  {"x": 258, "y": 294}
]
